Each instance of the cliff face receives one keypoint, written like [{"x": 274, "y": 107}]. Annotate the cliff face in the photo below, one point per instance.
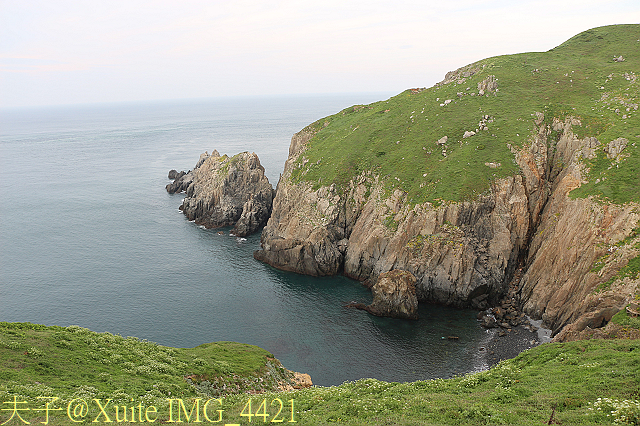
[
  {"x": 465, "y": 253},
  {"x": 572, "y": 237},
  {"x": 224, "y": 191},
  {"x": 462, "y": 254}
]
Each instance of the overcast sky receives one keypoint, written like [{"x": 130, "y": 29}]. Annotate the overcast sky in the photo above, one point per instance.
[{"x": 86, "y": 51}]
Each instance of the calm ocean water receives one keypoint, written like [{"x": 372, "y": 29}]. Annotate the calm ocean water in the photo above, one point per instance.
[{"x": 89, "y": 236}]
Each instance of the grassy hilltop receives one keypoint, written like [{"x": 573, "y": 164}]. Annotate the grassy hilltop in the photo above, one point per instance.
[
  {"x": 397, "y": 138},
  {"x": 68, "y": 362}
]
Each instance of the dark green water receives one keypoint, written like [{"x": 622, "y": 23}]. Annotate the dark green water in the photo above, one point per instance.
[{"x": 90, "y": 237}]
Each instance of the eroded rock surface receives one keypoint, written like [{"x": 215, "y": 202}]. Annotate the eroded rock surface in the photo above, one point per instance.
[
  {"x": 225, "y": 191},
  {"x": 460, "y": 253},
  {"x": 394, "y": 295}
]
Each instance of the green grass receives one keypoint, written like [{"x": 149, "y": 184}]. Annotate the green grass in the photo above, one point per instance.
[
  {"x": 73, "y": 362},
  {"x": 396, "y": 138},
  {"x": 623, "y": 319},
  {"x": 39, "y": 364},
  {"x": 630, "y": 270},
  {"x": 522, "y": 391}
]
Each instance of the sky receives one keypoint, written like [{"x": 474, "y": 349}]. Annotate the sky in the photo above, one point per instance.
[{"x": 58, "y": 52}]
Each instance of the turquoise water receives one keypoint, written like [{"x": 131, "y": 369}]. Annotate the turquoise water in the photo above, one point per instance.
[{"x": 89, "y": 236}]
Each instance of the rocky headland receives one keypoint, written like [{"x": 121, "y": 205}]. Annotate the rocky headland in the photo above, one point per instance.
[
  {"x": 524, "y": 245},
  {"x": 466, "y": 254},
  {"x": 225, "y": 191},
  {"x": 512, "y": 192}
]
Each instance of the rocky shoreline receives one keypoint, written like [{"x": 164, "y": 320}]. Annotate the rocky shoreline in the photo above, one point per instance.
[
  {"x": 522, "y": 247},
  {"x": 511, "y": 330},
  {"x": 509, "y": 343}
]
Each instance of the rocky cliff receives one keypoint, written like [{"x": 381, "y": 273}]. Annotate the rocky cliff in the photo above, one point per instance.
[
  {"x": 462, "y": 254},
  {"x": 465, "y": 253},
  {"x": 225, "y": 191},
  {"x": 352, "y": 195}
]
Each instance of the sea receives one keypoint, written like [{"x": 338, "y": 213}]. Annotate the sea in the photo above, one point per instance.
[{"x": 90, "y": 237}]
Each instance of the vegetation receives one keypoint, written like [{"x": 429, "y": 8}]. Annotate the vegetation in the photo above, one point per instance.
[
  {"x": 74, "y": 362},
  {"x": 397, "y": 138},
  {"x": 570, "y": 383},
  {"x": 584, "y": 382},
  {"x": 630, "y": 270},
  {"x": 623, "y": 319},
  {"x": 46, "y": 373}
]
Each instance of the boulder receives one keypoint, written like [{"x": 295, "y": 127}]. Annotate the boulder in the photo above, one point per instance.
[
  {"x": 488, "y": 321},
  {"x": 173, "y": 174},
  {"x": 181, "y": 182},
  {"x": 394, "y": 295}
]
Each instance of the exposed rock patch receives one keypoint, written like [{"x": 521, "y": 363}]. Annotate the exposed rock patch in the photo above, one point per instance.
[
  {"x": 461, "y": 74},
  {"x": 224, "y": 191},
  {"x": 297, "y": 381},
  {"x": 488, "y": 85},
  {"x": 615, "y": 147}
]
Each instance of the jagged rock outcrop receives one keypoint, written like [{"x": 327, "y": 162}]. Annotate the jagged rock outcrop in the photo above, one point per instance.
[
  {"x": 394, "y": 295},
  {"x": 182, "y": 180},
  {"x": 224, "y": 191},
  {"x": 615, "y": 147},
  {"x": 489, "y": 84},
  {"x": 173, "y": 174}
]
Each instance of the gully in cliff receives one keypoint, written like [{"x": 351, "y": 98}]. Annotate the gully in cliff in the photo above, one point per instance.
[{"x": 225, "y": 191}]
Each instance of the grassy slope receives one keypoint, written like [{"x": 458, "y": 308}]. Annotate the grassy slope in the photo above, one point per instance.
[
  {"x": 77, "y": 363},
  {"x": 522, "y": 391},
  {"x": 397, "y": 138},
  {"x": 68, "y": 362}
]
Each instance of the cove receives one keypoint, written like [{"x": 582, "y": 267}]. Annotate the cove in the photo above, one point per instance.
[{"x": 90, "y": 237}]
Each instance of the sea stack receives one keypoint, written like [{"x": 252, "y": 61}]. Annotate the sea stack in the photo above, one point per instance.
[{"x": 226, "y": 191}]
